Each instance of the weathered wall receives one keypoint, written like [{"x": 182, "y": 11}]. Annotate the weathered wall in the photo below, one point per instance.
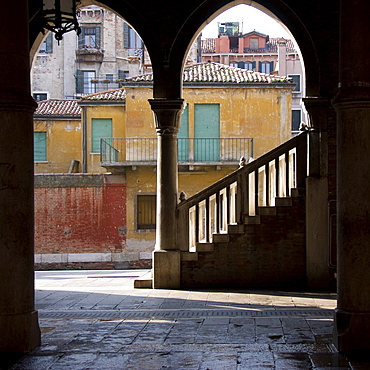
[
  {"x": 80, "y": 222},
  {"x": 63, "y": 144}
]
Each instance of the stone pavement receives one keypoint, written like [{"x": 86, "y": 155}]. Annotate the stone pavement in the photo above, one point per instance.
[{"x": 96, "y": 320}]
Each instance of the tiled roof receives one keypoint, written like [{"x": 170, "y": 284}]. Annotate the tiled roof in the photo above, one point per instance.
[
  {"x": 218, "y": 73},
  {"x": 112, "y": 95},
  {"x": 58, "y": 107}
]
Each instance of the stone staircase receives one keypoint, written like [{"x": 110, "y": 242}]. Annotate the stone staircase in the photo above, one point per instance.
[{"x": 266, "y": 251}]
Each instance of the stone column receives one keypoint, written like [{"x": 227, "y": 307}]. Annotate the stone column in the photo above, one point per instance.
[
  {"x": 352, "y": 317},
  {"x": 18, "y": 319},
  {"x": 166, "y": 258},
  {"x": 320, "y": 191}
]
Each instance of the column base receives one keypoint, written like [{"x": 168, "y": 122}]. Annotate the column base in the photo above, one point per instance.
[
  {"x": 20, "y": 333},
  {"x": 166, "y": 269},
  {"x": 351, "y": 331}
]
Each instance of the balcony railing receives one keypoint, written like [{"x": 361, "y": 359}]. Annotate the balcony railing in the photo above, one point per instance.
[{"x": 130, "y": 151}]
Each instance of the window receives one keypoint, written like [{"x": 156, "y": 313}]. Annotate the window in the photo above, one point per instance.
[
  {"x": 89, "y": 38},
  {"x": 47, "y": 46},
  {"x": 297, "y": 81},
  {"x": 39, "y": 96},
  {"x": 131, "y": 38},
  {"x": 146, "y": 211},
  {"x": 251, "y": 66},
  {"x": 101, "y": 128},
  {"x": 85, "y": 82},
  {"x": 265, "y": 67},
  {"x": 39, "y": 146},
  {"x": 109, "y": 77},
  {"x": 253, "y": 43},
  {"x": 234, "y": 64},
  {"x": 296, "y": 119}
]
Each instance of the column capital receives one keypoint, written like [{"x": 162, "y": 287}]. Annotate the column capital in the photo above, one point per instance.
[{"x": 167, "y": 114}]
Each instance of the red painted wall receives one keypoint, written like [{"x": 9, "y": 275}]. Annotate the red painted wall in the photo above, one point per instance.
[{"x": 80, "y": 219}]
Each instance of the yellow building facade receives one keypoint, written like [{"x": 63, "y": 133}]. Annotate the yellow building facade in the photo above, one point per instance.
[{"x": 228, "y": 113}]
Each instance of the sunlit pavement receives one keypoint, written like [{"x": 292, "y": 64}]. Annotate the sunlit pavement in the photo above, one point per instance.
[{"x": 96, "y": 320}]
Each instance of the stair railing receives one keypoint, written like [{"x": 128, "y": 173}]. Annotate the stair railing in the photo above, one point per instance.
[{"x": 240, "y": 194}]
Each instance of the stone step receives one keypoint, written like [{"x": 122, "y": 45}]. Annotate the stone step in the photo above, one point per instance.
[
  {"x": 235, "y": 229},
  {"x": 204, "y": 247},
  {"x": 220, "y": 238},
  {"x": 189, "y": 256},
  {"x": 267, "y": 211},
  {"x": 143, "y": 283},
  {"x": 252, "y": 220},
  {"x": 283, "y": 201}
]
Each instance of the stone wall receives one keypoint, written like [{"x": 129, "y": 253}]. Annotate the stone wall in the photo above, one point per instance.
[{"x": 80, "y": 222}]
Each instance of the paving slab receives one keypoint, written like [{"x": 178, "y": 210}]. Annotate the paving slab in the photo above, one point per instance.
[{"x": 97, "y": 320}]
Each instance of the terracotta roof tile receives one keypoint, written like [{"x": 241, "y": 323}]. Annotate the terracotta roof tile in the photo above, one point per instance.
[
  {"x": 115, "y": 95},
  {"x": 58, "y": 107},
  {"x": 218, "y": 73}
]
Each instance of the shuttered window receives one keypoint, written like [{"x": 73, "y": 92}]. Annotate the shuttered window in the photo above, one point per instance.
[
  {"x": 297, "y": 81},
  {"x": 146, "y": 212},
  {"x": 89, "y": 38},
  {"x": 101, "y": 128},
  {"x": 39, "y": 146}
]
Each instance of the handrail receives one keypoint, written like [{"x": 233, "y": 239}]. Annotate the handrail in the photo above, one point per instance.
[{"x": 240, "y": 193}]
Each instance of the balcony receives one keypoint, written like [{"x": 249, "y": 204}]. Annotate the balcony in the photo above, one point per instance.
[
  {"x": 89, "y": 55},
  {"x": 116, "y": 152}
]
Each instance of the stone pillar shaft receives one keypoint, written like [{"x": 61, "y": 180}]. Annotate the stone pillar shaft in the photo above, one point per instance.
[
  {"x": 18, "y": 318},
  {"x": 166, "y": 258},
  {"x": 352, "y": 319}
]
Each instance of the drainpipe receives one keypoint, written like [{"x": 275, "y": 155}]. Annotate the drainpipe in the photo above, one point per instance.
[{"x": 84, "y": 140}]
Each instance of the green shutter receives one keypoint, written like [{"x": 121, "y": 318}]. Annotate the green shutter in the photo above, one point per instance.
[
  {"x": 126, "y": 35},
  {"x": 271, "y": 67},
  {"x": 207, "y": 132},
  {"x": 97, "y": 37},
  {"x": 39, "y": 146},
  {"x": 49, "y": 43},
  {"x": 81, "y": 38},
  {"x": 183, "y": 135},
  {"x": 101, "y": 129},
  {"x": 79, "y": 82}
]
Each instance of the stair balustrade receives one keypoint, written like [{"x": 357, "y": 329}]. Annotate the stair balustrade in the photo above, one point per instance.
[{"x": 240, "y": 194}]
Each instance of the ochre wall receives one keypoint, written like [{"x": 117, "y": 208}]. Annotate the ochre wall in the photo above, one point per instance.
[{"x": 63, "y": 144}]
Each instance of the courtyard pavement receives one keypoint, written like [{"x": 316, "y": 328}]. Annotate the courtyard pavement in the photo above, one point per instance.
[{"x": 97, "y": 320}]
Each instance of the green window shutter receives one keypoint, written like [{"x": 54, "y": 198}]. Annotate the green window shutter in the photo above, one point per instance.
[
  {"x": 49, "y": 43},
  {"x": 101, "y": 129},
  {"x": 79, "y": 81},
  {"x": 253, "y": 66},
  {"x": 39, "y": 146},
  {"x": 121, "y": 74},
  {"x": 183, "y": 137},
  {"x": 126, "y": 35},
  {"x": 259, "y": 66},
  {"x": 81, "y": 38},
  {"x": 296, "y": 119},
  {"x": 97, "y": 37}
]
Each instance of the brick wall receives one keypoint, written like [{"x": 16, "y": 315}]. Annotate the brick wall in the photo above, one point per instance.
[
  {"x": 271, "y": 254},
  {"x": 80, "y": 219}
]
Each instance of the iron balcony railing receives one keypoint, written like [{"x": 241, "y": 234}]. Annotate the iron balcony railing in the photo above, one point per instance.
[{"x": 190, "y": 150}]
